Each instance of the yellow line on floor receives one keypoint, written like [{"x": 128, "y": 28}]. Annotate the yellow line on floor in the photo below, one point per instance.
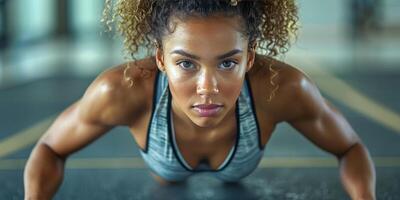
[
  {"x": 137, "y": 163},
  {"x": 346, "y": 94},
  {"x": 24, "y": 138}
]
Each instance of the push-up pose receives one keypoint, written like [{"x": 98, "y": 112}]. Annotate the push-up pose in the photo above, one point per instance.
[{"x": 207, "y": 99}]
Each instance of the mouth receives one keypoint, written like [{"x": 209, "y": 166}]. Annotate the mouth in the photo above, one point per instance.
[
  {"x": 207, "y": 106},
  {"x": 207, "y": 110}
]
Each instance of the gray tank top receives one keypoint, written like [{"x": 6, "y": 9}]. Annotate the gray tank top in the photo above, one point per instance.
[{"x": 162, "y": 154}]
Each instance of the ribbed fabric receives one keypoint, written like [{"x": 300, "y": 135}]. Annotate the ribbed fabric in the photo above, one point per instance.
[{"x": 164, "y": 159}]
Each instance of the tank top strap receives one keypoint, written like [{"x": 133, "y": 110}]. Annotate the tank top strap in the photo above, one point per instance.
[
  {"x": 245, "y": 89},
  {"x": 162, "y": 83},
  {"x": 245, "y": 92}
]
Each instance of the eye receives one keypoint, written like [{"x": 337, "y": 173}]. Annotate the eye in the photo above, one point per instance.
[
  {"x": 186, "y": 65},
  {"x": 228, "y": 64}
]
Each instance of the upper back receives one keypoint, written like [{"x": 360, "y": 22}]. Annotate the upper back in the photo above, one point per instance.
[{"x": 284, "y": 82}]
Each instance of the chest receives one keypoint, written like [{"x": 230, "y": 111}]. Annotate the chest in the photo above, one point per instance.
[{"x": 213, "y": 146}]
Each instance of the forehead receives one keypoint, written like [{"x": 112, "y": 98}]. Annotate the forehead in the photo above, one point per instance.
[{"x": 205, "y": 33}]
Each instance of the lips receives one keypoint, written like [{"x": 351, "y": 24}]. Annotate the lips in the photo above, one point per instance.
[
  {"x": 207, "y": 110},
  {"x": 207, "y": 106}
]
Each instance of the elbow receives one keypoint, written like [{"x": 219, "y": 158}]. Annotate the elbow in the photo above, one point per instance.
[
  {"x": 52, "y": 152},
  {"x": 43, "y": 173},
  {"x": 354, "y": 146},
  {"x": 358, "y": 152},
  {"x": 43, "y": 159}
]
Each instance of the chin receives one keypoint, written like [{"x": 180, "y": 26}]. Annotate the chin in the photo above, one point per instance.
[{"x": 206, "y": 122}]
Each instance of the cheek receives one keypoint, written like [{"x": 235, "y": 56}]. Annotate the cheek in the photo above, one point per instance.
[
  {"x": 181, "y": 90},
  {"x": 230, "y": 89},
  {"x": 176, "y": 80},
  {"x": 173, "y": 74}
]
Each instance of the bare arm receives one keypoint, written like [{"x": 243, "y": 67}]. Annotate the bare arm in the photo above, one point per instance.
[
  {"x": 98, "y": 111},
  {"x": 45, "y": 167},
  {"x": 325, "y": 126}
]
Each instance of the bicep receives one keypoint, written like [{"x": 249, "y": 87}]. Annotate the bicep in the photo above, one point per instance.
[{"x": 72, "y": 131}]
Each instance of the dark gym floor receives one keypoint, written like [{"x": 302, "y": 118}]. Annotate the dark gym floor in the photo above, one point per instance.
[{"x": 111, "y": 167}]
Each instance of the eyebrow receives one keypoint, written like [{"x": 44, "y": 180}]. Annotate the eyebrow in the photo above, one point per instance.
[{"x": 183, "y": 53}]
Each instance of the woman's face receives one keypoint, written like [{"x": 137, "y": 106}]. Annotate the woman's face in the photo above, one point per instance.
[{"x": 205, "y": 60}]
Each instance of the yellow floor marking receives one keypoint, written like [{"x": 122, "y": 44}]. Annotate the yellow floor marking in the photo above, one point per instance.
[
  {"x": 24, "y": 138},
  {"x": 277, "y": 162},
  {"x": 137, "y": 163},
  {"x": 106, "y": 163},
  {"x": 346, "y": 94}
]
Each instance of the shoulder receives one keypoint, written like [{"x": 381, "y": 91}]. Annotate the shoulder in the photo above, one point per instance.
[
  {"x": 296, "y": 95},
  {"x": 109, "y": 99}
]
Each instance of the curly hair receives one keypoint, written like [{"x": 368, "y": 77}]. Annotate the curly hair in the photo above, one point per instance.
[{"x": 143, "y": 23}]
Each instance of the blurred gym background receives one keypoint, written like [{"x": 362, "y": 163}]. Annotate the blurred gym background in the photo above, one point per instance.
[
  {"x": 43, "y": 38},
  {"x": 51, "y": 50}
]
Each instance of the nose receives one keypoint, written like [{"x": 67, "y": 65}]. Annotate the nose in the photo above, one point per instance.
[{"x": 207, "y": 84}]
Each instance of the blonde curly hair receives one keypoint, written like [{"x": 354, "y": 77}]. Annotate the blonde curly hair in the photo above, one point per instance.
[{"x": 143, "y": 23}]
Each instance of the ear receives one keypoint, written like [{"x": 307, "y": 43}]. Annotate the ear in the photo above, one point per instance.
[
  {"x": 251, "y": 55},
  {"x": 160, "y": 59}
]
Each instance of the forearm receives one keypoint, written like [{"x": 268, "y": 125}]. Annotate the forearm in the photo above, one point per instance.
[
  {"x": 357, "y": 173},
  {"x": 43, "y": 173}
]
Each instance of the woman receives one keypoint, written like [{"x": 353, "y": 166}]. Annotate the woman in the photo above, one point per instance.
[{"x": 206, "y": 101}]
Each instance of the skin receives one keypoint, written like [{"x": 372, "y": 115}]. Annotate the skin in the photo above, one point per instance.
[
  {"x": 203, "y": 78},
  {"x": 108, "y": 103}
]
